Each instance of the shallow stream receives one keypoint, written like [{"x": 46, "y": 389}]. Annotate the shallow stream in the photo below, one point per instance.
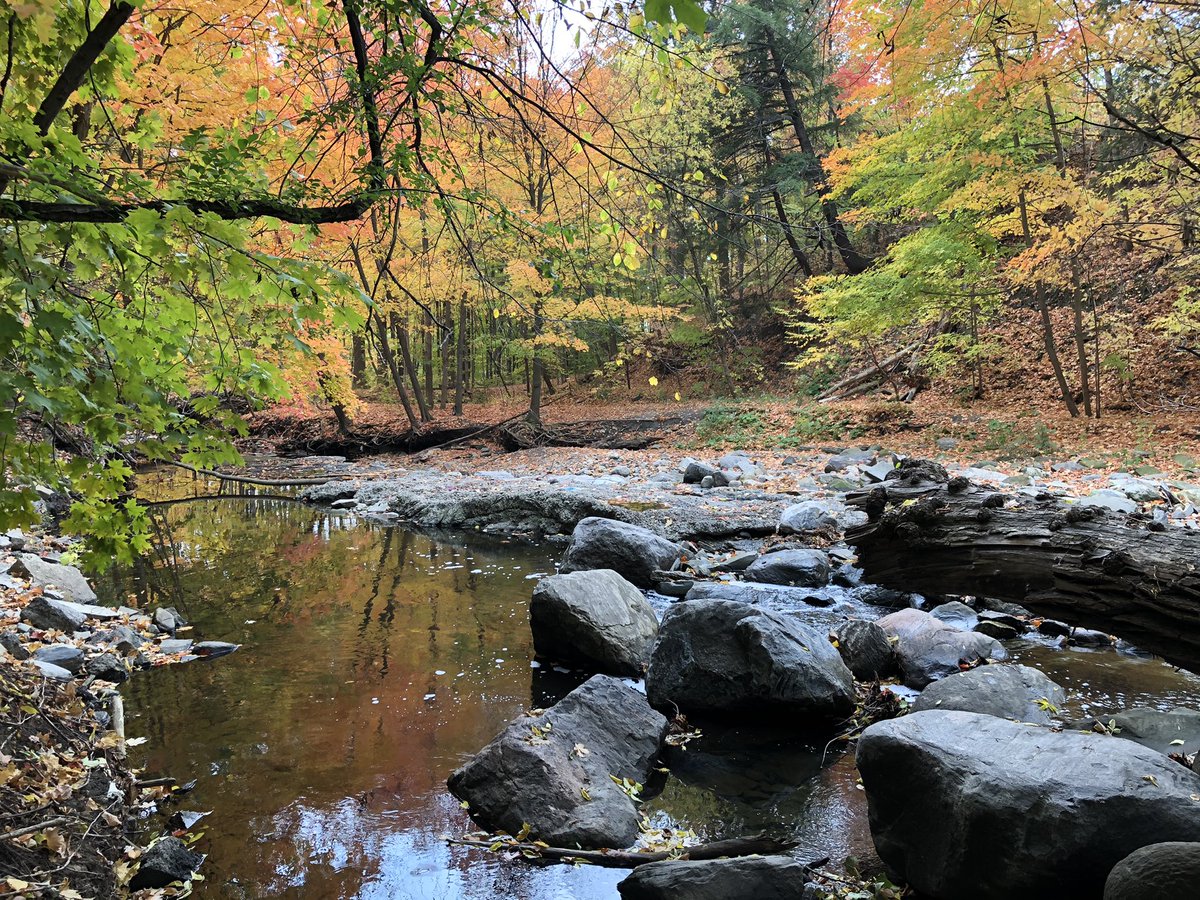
[{"x": 376, "y": 660}]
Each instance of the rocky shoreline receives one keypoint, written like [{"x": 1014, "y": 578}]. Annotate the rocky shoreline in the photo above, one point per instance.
[{"x": 63, "y": 658}]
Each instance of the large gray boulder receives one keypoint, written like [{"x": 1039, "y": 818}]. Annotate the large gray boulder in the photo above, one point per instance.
[
  {"x": 1009, "y": 692},
  {"x": 929, "y": 649},
  {"x": 804, "y": 568},
  {"x": 749, "y": 877},
  {"x": 1166, "y": 871},
  {"x": 719, "y": 656},
  {"x": 63, "y": 615},
  {"x": 968, "y": 805},
  {"x": 634, "y": 552},
  {"x": 865, "y": 649},
  {"x": 553, "y": 770},
  {"x": 749, "y": 592},
  {"x": 68, "y": 580},
  {"x": 596, "y": 619},
  {"x": 956, "y": 614}
]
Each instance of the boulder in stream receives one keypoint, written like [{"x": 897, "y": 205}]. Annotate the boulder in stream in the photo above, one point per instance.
[
  {"x": 865, "y": 649},
  {"x": 67, "y": 579},
  {"x": 596, "y": 619},
  {"x": 804, "y": 568},
  {"x": 1177, "y": 731},
  {"x": 1009, "y": 692},
  {"x": 929, "y": 649},
  {"x": 634, "y": 552},
  {"x": 553, "y": 770},
  {"x": 969, "y": 805},
  {"x": 167, "y": 861},
  {"x": 757, "y": 877},
  {"x": 720, "y": 656}
]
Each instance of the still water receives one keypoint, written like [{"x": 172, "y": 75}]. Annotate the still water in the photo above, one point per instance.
[{"x": 374, "y": 662}]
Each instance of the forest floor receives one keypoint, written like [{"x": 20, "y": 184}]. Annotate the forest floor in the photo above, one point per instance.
[{"x": 1010, "y": 435}]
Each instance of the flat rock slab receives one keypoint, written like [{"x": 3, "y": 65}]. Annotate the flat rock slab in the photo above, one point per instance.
[
  {"x": 67, "y": 579},
  {"x": 968, "y": 805},
  {"x": 1009, "y": 692},
  {"x": 554, "y": 770},
  {"x": 596, "y": 619},
  {"x": 1177, "y": 731},
  {"x": 749, "y": 877},
  {"x": 803, "y": 568},
  {"x": 720, "y": 656},
  {"x": 749, "y": 592}
]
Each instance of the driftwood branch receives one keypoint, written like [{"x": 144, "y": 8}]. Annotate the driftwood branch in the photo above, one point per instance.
[
  {"x": 629, "y": 859},
  {"x": 266, "y": 482},
  {"x": 30, "y": 829}
]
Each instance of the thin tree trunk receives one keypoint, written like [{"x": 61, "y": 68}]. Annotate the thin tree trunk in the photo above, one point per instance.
[
  {"x": 427, "y": 359},
  {"x": 385, "y": 350},
  {"x": 460, "y": 357},
  {"x": 446, "y": 336},
  {"x": 406, "y": 357},
  {"x": 535, "y": 381}
]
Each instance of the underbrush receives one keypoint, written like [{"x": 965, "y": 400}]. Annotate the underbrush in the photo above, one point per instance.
[{"x": 772, "y": 423}]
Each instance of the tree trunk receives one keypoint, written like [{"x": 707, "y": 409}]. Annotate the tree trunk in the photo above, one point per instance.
[
  {"x": 1084, "y": 565},
  {"x": 855, "y": 262},
  {"x": 427, "y": 359},
  {"x": 535, "y": 381},
  {"x": 389, "y": 359},
  {"x": 460, "y": 357},
  {"x": 406, "y": 357}
]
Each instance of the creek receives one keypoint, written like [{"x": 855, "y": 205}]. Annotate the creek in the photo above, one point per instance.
[{"x": 376, "y": 660}]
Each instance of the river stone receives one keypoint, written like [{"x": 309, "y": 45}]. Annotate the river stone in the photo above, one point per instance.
[
  {"x": 213, "y": 649},
  {"x": 596, "y": 619},
  {"x": 1008, "y": 692},
  {"x": 67, "y": 579},
  {"x": 956, "y": 614},
  {"x": 1158, "y": 730},
  {"x": 805, "y": 568},
  {"x": 52, "y": 615},
  {"x": 630, "y": 550},
  {"x": 538, "y": 769},
  {"x": 847, "y": 458},
  {"x": 998, "y": 630},
  {"x": 719, "y": 656},
  {"x": 1166, "y": 871},
  {"x": 747, "y": 592},
  {"x": 11, "y": 642},
  {"x": 50, "y": 670},
  {"x": 865, "y": 649},
  {"x": 811, "y": 515},
  {"x": 62, "y": 655},
  {"x": 107, "y": 667},
  {"x": 1114, "y": 501},
  {"x": 167, "y": 861},
  {"x": 760, "y": 877},
  {"x": 969, "y": 805},
  {"x": 168, "y": 619},
  {"x": 696, "y": 472},
  {"x": 928, "y": 649}
]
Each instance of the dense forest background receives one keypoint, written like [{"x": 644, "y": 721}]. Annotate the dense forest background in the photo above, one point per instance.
[{"x": 209, "y": 209}]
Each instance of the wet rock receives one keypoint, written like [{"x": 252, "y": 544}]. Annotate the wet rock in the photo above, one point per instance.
[
  {"x": 929, "y": 649},
  {"x": 761, "y": 877},
  {"x": 987, "y": 604},
  {"x": 596, "y": 619},
  {"x": 62, "y": 655},
  {"x": 52, "y": 615},
  {"x": 739, "y": 562},
  {"x": 13, "y": 645},
  {"x": 329, "y": 493},
  {"x": 175, "y": 645},
  {"x": 541, "y": 769},
  {"x": 1053, "y": 628},
  {"x": 880, "y": 470},
  {"x": 107, "y": 667},
  {"x": 811, "y": 515},
  {"x": 968, "y": 805},
  {"x": 633, "y": 552},
  {"x": 878, "y": 595},
  {"x": 167, "y": 861},
  {"x": 1166, "y": 871},
  {"x": 67, "y": 579},
  {"x": 120, "y": 637},
  {"x": 865, "y": 649},
  {"x": 998, "y": 630},
  {"x": 212, "y": 649},
  {"x": 806, "y": 568},
  {"x": 1002, "y": 618},
  {"x": 168, "y": 619},
  {"x": 1086, "y": 637},
  {"x": 1177, "y": 731},
  {"x": 745, "y": 592},
  {"x": 1008, "y": 692},
  {"x": 719, "y": 656},
  {"x": 956, "y": 614}
]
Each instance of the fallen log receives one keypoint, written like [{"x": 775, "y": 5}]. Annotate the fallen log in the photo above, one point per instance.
[
  {"x": 629, "y": 859},
  {"x": 1124, "y": 574}
]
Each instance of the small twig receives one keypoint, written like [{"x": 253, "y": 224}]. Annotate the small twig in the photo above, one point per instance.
[
  {"x": 30, "y": 829},
  {"x": 154, "y": 782}
]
